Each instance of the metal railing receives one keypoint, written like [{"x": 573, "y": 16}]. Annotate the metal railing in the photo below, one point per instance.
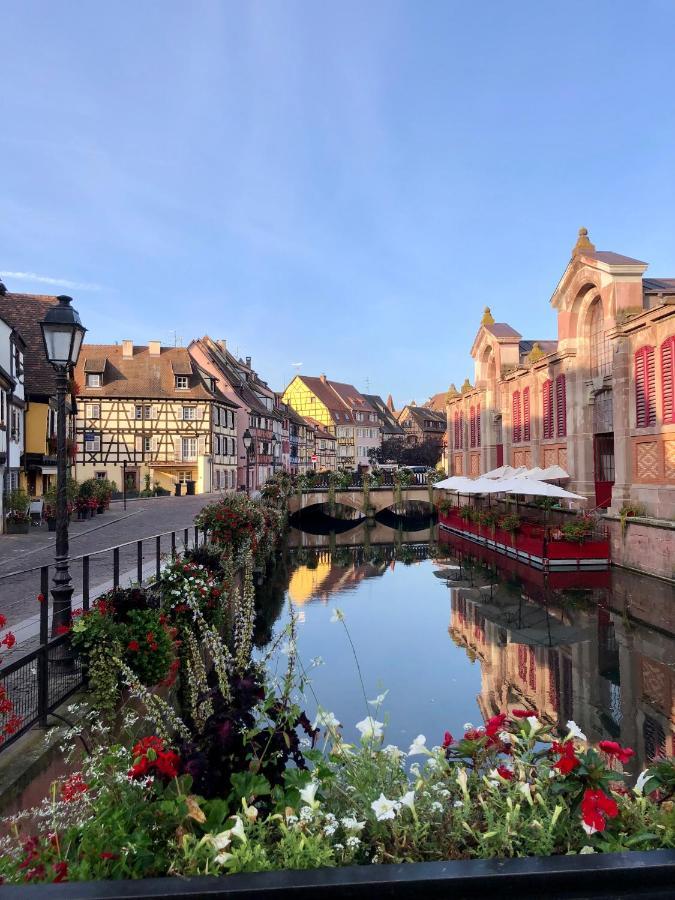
[
  {"x": 383, "y": 480},
  {"x": 42, "y": 671}
]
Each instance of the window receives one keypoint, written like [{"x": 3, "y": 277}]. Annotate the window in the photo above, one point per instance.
[
  {"x": 477, "y": 424},
  {"x": 547, "y": 408},
  {"x": 645, "y": 388},
  {"x": 189, "y": 448},
  {"x": 188, "y": 413},
  {"x": 668, "y": 380},
  {"x": 216, "y": 445},
  {"x": 101, "y": 476},
  {"x": 600, "y": 349},
  {"x": 216, "y": 415},
  {"x": 184, "y": 476},
  {"x": 181, "y": 382},
  {"x": 147, "y": 445},
  {"x": 458, "y": 424},
  {"x": 472, "y": 425},
  {"x": 142, "y": 411},
  {"x": 526, "y": 414},
  {"x": 561, "y": 405},
  {"x": 3, "y": 408},
  {"x": 93, "y": 380},
  {"x": 92, "y": 442},
  {"x": 92, "y": 411},
  {"x": 516, "y": 426}
]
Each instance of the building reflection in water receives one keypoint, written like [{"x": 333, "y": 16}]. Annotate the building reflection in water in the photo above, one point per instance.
[
  {"x": 595, "y": 647},
  {"x": 601, "y": 653}
]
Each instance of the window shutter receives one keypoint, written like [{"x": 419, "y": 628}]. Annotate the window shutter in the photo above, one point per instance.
[
  {"x": 153, "y": 444},
  {"x": 139, "y": 444},
  {"x": 461, "y": 430},
  {"x": 526, "y": 414},
  {"x": 478, "y": 424},
  {"x": 547, "y": 408},
  {"x": 668, "y": 380},
  {"x": 645, "y": 388},
  {"x": 153, "y": 412},
  {"x": 201, "y": 445},
  {"x": 561, "y": 405},
  {"x": 515, "y": 424},
  {"x": 177, "y": 448},
  {"x": 472, "y": 421}
]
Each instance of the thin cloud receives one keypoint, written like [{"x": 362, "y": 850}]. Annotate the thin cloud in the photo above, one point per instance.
[{"x": 54, "y": 282}]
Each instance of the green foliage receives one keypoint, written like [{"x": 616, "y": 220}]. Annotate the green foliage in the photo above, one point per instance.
[
  {"x": 16, "y": 505},
  {"x": 509, "y": 523},
  {"x": 149, "y": 646},
  {"x": 578, "y": 530}
]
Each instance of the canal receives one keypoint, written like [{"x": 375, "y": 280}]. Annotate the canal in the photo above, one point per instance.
[{"x": 454, "y": 637}]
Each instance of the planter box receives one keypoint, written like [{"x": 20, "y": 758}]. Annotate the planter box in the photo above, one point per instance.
[
  {"x": 16, "y": 527},
  {"x": 595, "y": 877}
]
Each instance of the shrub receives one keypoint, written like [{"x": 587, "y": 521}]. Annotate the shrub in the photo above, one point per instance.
[{"x": 577, "y": 530}]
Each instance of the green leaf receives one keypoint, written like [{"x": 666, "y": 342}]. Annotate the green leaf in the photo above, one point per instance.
[{"x": 248, "y": 785}]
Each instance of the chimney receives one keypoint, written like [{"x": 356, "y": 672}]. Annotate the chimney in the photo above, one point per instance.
[
  {"x": 248, "y": 361},
  {"x": 222, "y": 343},
  {"x": 127, "y": 349},
  {"x": 323, "y": 378},
  {"x": 154, "y": 348}
]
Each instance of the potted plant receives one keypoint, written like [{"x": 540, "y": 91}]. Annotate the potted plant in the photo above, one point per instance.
[
  {"x": 510, "y": 523},
  {"x": 577, "y": 530},
  {"x": 18, "y": 516}
]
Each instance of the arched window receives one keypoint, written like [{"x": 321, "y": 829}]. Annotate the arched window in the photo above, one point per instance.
[
  {"x": 516, "y": 420},
  {"x": 645, "y": 388},
  {"x": 526, "y": 414},
  {"x": 561, "y": 405},
  {"x": 547, "y": 408},
  {"x": 668, "y": 380},
  {"x": 600, "y": 350}
]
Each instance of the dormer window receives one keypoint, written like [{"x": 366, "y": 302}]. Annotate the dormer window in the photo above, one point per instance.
[
  {"x": 181, "y": 382},
  {"x": 93, "y": 379}
]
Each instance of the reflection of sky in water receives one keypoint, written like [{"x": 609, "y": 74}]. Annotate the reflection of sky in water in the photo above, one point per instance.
[{"x": 398, "y": 622}]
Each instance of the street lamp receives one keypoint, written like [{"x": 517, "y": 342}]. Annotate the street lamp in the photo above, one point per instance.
[
  {"x": 248, "y": 443},
  {"x": 62, "y": 333}
]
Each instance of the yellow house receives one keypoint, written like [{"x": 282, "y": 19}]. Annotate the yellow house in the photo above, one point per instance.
[{"x": 148, "y": 416}]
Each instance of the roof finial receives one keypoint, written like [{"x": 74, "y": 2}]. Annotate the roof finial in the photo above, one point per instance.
[
  {"x": 488, "y": 318},
  {"x": 583, "y": 242}
]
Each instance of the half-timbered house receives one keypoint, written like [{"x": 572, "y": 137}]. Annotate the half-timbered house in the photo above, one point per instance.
[{"x": 151, "y": 417}]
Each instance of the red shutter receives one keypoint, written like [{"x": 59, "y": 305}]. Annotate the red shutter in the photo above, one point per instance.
[
  {"x": 472, "y": 421},
  {"x": 645, "y": 388},
  {"x": 461, "y": 430},
  {"x": 478, "y": 424},
  {"x": 526, "y": 414},
  {"x": 668, "y": 380},
  {"x": 455, "y": 420},
  {"x": 516, "y": 418},
  {"x": 561, "y": 405},
  {"x": 547, "y": 410}
]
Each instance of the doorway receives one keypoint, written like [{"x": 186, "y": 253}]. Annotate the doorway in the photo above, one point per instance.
[{"x": 603, "y": 454}]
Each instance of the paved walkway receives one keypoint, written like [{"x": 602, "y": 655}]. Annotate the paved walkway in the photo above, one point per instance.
[{"x": 22, "y": 555}]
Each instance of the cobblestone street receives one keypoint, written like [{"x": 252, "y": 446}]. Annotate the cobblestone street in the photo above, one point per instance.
[{"x": 24, "y": 554}]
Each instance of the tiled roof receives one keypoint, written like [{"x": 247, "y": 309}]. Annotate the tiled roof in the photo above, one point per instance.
[
  {"x": 613, "y": 259},
  {"x": 658, "y": 285},
  {"x": 95, "y": 364},
  {"x": 320, "y": 429},
  {"x": 387, "y": 418},
  {"x": 525, "y": 347},
  {"x": 143, "y": 375},
  {"x": 437, "y": 402},
  {"x": 422, "y": 414},
  {"x": 502, "y": 330},
  {"x": 352, "y": 397},
  {"x": 332, "y": 401},
  {"x": 24, "y": 312}
]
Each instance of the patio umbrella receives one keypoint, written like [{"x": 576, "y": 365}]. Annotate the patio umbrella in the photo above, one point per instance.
[
  {"x": 531, "y": 488},
  {"x": 555, "y": 473},
  {"x": 503, "y": 472}
]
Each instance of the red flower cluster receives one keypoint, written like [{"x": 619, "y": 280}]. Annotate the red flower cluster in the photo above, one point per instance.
[
  {"x": 9, "y": 640},
  {"x": 152, "y": 643},
  {"x": 596, "y": 808},
  {"x": 447, "y": 740},
  {"x": 567, "y": 760},
  {"x": 172, "y": 673},
  {"x": 3, "y": 620},
  {"x": 523, "y": 713},
  {"x": 504, "y": 772},
  {"x": 150, "y": 758},
  {"x": 73, "y": 788},
  {"x": 133, "y": 646},
  {"x": 612, "y": 748}
]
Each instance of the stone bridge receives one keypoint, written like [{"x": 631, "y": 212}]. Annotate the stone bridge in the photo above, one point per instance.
[{"x": 379, "y": 498}]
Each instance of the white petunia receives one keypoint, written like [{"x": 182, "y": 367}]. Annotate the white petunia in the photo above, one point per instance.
[
  {"x": 418, "y": 746},
  {"x": 526, "y": 790},
  {"x": 589, "y": 829},
  {"x": 408, "y": 799},
  {"x": 393, "y": 752},
  {"x": 575, "y": 731},
  {"x": 308, "y": 793},
  {"x": 467, "y": 726},
  {"x": 379, "y": 700},
  {"x": 222, "y": 858},
  {"x": 350, "y": 823},
  {"x": 462, "y": 781},
  {"x": 384, "y": 809},
  {"x": 534, "y": 723},
  {"x": 585, "y": 850},
  {"x": 370, "y": 728},
  {"x": 238, "y": 829},
  {"x": 326, "y": 720},
  {"x": 338, "y": 615},
  {"x": 221, "y": 841},
  {"x": 641, "y": 781}
]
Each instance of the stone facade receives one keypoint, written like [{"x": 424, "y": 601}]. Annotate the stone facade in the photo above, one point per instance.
[{"x": 598, "y": 401}]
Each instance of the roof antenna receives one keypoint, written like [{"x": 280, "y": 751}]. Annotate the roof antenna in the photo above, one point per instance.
[{"x": 175, "y": 337}]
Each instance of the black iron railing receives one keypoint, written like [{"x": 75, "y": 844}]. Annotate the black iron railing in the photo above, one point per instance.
[
  {"x": 43, "y": 672},
  {"x": 346, "y": 483}
]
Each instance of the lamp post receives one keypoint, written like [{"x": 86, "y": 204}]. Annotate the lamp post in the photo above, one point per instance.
[
  {"x": 62, "y": 333},
  {"x": 248, "y": 443}
]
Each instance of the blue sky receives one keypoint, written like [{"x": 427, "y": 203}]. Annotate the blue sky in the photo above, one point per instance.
[{"x": 345, "y": 185}]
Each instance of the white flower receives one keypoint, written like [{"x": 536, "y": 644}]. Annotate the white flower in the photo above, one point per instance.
[
  {"x": 415, "y": 770},
  {"x": 393, "y": 752},
  {"x": 308, "y": 793},
  {"x": 436, "y": 806},
  {"x": 418, "y": 746},
  {"x": 222, "y": 858},
  {"x": 457, "y": 804},
  {"x": 384, "y": 809},
  {"x": 408, "y": 799},
  {"x": 640, "y": 782},
  {"x": 585, "y": 850},
  {"x": 526, "y": 791},
  {"x": 370, "y": 728},
  {"x": 353, "y": 842},
  {"x": 588, "y": 828},
  {"x": 326, "y": 720},
  {"x": 379, "y": 700},
  {"x": 221, "y": 841},
  {"x": 238, "y": 829},
  {"x": 462, "y": 781},
  {"x": 506, "y": 737},
  {"x": 575, "y": 731},
  {"x": 534, "y": 723},
  {"x": 306, "y": 814},
  {"x": 467, "y": 726},
  {"x": 329, "y": 830},
  {"x": 338, "y": 615},
  {"x": 316, "y": 662},
  {"x": 494, "y": 783},
  {"x": 350, "y": 823}
]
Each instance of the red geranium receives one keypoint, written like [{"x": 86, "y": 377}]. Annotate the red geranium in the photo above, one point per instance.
[
  {"x": 596, "y": 808},
  {"x": 523, "y": 713},
  {"x": 73, "y": 788},
  {"x": 505, "y": 772},
  {"x": 612, "y": 748},
  {"x": 567, "y": 760},
  {"x": 150, "y": 758},
  {"x": 3, "y": 620},
  {"x": 9, "y": 640},
  {"x": 133, "y": 645},
  {"x": 447, "y": 740}
]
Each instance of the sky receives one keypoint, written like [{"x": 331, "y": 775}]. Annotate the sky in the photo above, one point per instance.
[{"x": 343, "y": 185}]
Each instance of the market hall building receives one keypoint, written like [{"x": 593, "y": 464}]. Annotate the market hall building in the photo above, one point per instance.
[{"x": 599, "y": 401}]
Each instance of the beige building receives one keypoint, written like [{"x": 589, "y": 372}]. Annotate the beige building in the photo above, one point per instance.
[{"x": 149, "y": 415}]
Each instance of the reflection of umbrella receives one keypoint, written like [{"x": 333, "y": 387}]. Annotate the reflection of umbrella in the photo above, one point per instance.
[
  {"x": 447, "y": 572},
  {"x": 534, "y": 625}
]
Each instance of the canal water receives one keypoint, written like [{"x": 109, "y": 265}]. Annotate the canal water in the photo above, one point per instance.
[{"x": 455, "y": 638}]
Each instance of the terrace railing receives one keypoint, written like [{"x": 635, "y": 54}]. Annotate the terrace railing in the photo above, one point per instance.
[{"x": 42, "y": 672}]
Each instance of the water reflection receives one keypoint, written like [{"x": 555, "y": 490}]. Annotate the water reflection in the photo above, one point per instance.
[{"x": 482, "y": 636}]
